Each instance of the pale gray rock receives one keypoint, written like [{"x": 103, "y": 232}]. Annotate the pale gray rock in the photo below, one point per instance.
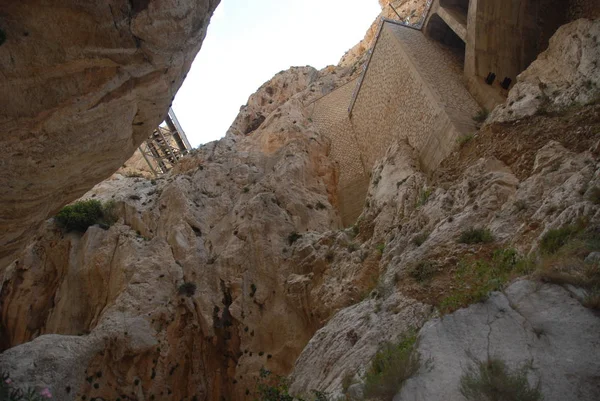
[
  {"x": 530, "y": 323},
  {"x": 352, "y": 337},
  {"x": 567, "y": 73}
]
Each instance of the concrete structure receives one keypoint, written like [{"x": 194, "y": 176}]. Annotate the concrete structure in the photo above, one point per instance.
[
  {"x": 500, "y": 36},
  {"x": 412, "y": 89},
  {"x": 424, "y": 84}
]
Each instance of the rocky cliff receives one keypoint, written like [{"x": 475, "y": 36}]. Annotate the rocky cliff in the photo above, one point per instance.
[
  {"x": 237, "y": 261},
  {"x": 83, "y": 85}
]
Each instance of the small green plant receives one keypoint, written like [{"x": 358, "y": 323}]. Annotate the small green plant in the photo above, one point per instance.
[
  {"x": 423, "y": 271},
  {"x": 463, "y": 140},
  {"x": 246, "y": 190},
  {"x": 393, "y": 364},
  {"x": 380, "y": 248},
  {"x": 423, "y": 197},
  {"x": 555, "y": 239},
  {"x": 592, "y": 299},
  {"x": 252, "y": 290},
  {"x": 477, "y": 278},
  {"x": 347, "y": 381},
  {"x": 187, "y": 289},
  {"x": 293, "y": 237},
  {"x": 320, "y": 205},
  {"x": 83, "y": 214},
  {"x": 481, "y": 116},
  {"x": 520, "y": 205},
  {"x": 419, "y": 239},
  {"x": 271, "y": 387},
  {"x": 354, "y": 230},
  {"x": 476, "y": 236},
  {"x": 492, "y": 380}
]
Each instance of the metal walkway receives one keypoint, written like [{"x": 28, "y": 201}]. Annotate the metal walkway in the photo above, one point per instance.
[{"x": 167, "y": 144}]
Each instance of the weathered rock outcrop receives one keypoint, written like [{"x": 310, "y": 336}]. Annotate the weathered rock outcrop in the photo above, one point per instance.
[
  {"x": 247, "y": 220},
  {"x": 522, "y": 326},
  {"x": 83, "y": 85},
  {"x": 237, "y": 259},
  {"x": 567, "y": 73}
]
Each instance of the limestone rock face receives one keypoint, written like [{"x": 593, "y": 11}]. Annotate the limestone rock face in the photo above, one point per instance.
[
  {"x": 249, "y": 221},
  {"x": 522, "y": 326},
  {"x": 83, "y": 85},
  {"x": 237, "y": 260},
  {"x": 567, "y": 73},
  {"x": 487, "y": 194}
]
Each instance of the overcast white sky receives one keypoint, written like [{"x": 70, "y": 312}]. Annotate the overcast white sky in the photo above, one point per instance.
[{"x": 248, "y": 42}]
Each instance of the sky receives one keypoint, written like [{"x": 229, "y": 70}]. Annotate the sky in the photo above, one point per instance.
[{"x": 248, "y": 42}]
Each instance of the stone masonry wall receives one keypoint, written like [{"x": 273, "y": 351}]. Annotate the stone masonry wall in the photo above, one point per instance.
[
  {"x": 330, "y": 116},
  {"x": 413, "y": 89}
]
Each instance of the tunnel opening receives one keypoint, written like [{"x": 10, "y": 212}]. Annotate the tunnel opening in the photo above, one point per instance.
[
  {"x": 461, "y": 6},
  {"x": 440, "y": 31}
]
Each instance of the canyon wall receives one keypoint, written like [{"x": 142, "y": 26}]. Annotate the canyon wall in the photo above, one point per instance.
[
  {"x": 84, "y": 84},
  {"x": 237, "y": 260}
]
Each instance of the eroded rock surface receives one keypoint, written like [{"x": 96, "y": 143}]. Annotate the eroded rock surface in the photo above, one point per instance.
[
  {"x": 248, "y": 220},
  {"x": 522, "y": 326},
  {"x": 567, "y": 73},
  {"x": 83, "y": 85}
]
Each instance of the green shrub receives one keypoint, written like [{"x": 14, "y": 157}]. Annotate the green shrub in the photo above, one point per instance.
[
  {"x": 423, "y": 197},
  {"x": 481, "y": 116},
  {"x": 594, "y": 195},
  {"x": 492, "y": 380},
  {"x": 592, "y": 299},
  {"x": 477, "y": 278},
  {"x": 83, "y": 214},
  {"x": 464, "y": 139},
  {"x": 188, "y": 289},
  {"x": 380, "y": 248},
  {"x": 393, "y": 364},
  {"x": 476, "y": 236},
  {"x": 320, "y": 206},
  {"x": 423, "y": 271},
  {"x": 293, "y": 237},
  {"x": 276, "y": 388},
  {"x": 419, "y": 239},
  {"x": 553, "y": 240}
]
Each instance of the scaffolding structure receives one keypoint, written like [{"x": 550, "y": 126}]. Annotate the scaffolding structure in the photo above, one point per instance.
[{"x": 165, "y": 146}]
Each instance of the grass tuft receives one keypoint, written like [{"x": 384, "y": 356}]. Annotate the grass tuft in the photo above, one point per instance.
[
  {"x": 393, "y": 364},
  {"x": 423, "y": 271},
  {"x": 419, "y": 239},
  {"x": 476, "y": 236},
  {"x": 423, "y": 197},
  {"x": 594, "y": 195},
  {"x": 492, "y": 380},
  {"x": 293, "y": 237},
  {"x": 555, "y": 239},
  {"x": 477, "y": 278},
  {"x": 187, "y": 289},
  {"x": 481, "y": 116},
  {"x": 463, "y": 140}
]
